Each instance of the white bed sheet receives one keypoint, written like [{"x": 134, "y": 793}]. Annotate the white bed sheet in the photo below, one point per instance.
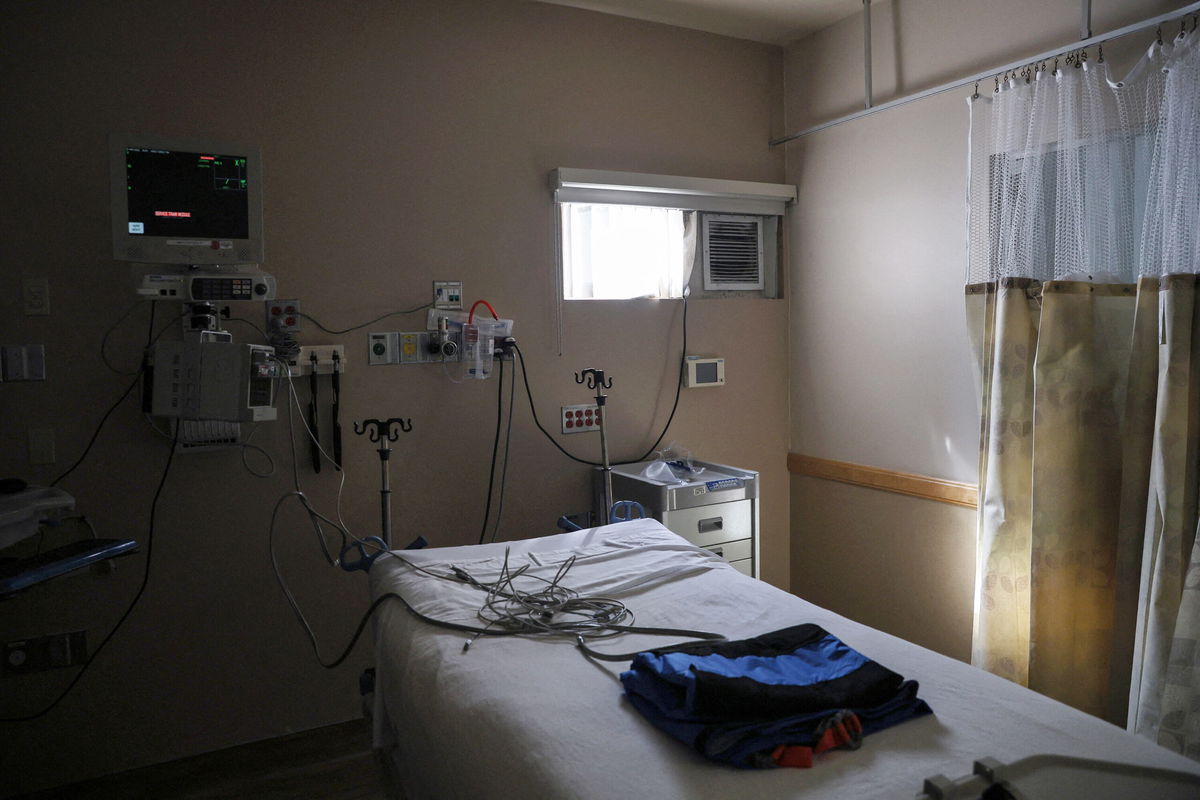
[{"x": 521, "y": 718}]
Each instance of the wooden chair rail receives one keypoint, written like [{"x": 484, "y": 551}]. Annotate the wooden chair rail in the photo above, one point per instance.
[{"x": 939, "y": 489}]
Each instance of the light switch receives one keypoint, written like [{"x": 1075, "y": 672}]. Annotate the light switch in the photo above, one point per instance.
[
  {"x": 35, "y": 362},
  {"x": 15, "y": 366},
  {"x": 36, "y": 296},
  {"x": 24, "y": 362}
]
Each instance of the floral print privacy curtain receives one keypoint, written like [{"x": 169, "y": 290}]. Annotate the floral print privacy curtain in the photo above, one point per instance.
[{"x": 1083, "y": 308}]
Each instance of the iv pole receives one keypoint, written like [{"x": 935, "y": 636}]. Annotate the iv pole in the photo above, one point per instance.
[
  {"x": 595, "y": 380},
  {"x": 381, "y": 431}
]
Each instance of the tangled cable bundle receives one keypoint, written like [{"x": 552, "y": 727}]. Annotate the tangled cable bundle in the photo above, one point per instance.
[{"x": 552, "y": 609}]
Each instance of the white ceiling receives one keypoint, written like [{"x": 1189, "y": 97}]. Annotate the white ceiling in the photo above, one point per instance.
[{"x": 771, "y": 21}]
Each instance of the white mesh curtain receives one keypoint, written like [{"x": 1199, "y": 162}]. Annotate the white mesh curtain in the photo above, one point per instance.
[{"x": 1082, "y": 301}]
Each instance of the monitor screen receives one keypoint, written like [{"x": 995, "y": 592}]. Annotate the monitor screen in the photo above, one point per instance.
[
  {"x": 185, "y": 202},
  {"x": 177, "y": 193}
]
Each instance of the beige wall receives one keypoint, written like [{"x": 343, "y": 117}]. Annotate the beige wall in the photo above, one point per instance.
[
  {"x": 404, "y": 142},
  {"x": 906, "y": 579},
  {"x": 879, "y": 367}
]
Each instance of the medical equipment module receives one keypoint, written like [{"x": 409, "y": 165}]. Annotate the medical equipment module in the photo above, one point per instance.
[
  {"x": 210, "y": 377},
  {"x": 711, "y": 505}
]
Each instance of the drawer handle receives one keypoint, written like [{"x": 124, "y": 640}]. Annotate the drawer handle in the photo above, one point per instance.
[
  {"x": 720, "y": 551},
  {"x": 711, "y": 524}
]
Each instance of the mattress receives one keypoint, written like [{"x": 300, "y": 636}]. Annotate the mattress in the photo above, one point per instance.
[{"x": 532, "y": 717}]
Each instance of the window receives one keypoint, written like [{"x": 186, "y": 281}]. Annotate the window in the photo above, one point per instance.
[
  {"x": 625, "y": 235},
  {"x": 612, "y": 252}
]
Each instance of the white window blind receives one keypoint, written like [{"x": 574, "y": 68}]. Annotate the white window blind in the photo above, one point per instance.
[{"x": 618, "y": 252}]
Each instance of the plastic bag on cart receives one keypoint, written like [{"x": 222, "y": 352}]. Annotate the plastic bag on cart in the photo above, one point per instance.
[{"x": 672, "y": 463}]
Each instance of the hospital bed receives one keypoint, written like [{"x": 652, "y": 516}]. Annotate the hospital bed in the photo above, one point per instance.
[{"x": 514, "y": 717}]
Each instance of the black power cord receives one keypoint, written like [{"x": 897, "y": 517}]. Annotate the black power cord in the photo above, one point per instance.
[
  {"x": 512, "y": 391},
  {"x": 487, "y": 509},
  {"x": 512, "y": 388},
  {"x": 316, "y": 322},
  {"x": 666, "y": 427},
  {"x": 151, "y": 338},
  {"x": 132, "y": 603}
]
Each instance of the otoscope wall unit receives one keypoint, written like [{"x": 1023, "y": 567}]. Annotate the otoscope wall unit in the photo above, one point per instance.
[{"x": 323, "y": 359}]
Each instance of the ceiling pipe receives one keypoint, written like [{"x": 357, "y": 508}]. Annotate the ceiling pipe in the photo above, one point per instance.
[
  {"x": 867, "y": 53},
  {"x": 1150, "y": 22}
]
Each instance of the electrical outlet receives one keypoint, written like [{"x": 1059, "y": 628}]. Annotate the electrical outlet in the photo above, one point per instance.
[
  {"x": 36, "y": 296},
  {"x": 45, "y": 652},
  {"x": 580, "y": 418},
  {"x": 302, "y": 364},
  {"x": 447, "y": 294},
  {"x": 283, "y": 313}
]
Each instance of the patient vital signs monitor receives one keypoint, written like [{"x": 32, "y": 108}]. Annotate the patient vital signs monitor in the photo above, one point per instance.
[{"x": 185, "y": 202}]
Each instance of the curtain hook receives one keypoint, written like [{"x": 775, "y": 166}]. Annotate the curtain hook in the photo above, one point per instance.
[
  {"x": 976, "y": 95},
  {"x": 1158, "y": 35},
  {"x": 1056, "y": 65},
  {"x": 1100, "y": 53},
  {"x": 996, "y": 78}
]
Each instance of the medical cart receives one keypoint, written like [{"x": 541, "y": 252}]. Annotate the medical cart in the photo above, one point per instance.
[{"x": 712, "y": 506}]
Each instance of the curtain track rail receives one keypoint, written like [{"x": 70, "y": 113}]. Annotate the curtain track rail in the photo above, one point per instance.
[{"x": 1161, "y": 19}]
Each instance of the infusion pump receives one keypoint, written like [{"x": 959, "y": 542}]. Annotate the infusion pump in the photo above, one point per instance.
[{"x": 209, "y": 377}]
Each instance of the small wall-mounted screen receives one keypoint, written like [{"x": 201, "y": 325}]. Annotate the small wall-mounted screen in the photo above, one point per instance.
[
  {"x": 706, "y": 372},
  {"x": 702, "y": 372},
  {"x": 192, "y": 195}
]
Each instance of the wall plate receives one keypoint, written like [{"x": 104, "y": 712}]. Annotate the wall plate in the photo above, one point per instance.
[
  {"x": 580, "y": 418},
  {"x": 447, "y": 294}
]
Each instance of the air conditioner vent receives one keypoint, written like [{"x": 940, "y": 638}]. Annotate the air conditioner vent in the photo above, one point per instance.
[{"x": 733, "y": 252}]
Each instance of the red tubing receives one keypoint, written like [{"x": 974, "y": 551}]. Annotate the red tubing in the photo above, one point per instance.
[{"x": 478, "y": 303}]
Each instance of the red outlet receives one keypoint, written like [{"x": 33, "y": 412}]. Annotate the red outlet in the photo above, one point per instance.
[
  {"x": 580, "y": 418},
  {"x": 283, "y": 315}
]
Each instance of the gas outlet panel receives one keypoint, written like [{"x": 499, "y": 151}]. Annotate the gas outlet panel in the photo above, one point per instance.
[
  {"x": 411, "y": 347},
  {"x": 580, "y": 418}
]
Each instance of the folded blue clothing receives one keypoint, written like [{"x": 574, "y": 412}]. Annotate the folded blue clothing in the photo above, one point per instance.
[{"x": 758, "y": 702}]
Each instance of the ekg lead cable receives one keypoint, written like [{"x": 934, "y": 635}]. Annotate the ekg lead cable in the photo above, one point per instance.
[
  {"x": 518, "y": 627},
  {"x": 314, "y": 517}
]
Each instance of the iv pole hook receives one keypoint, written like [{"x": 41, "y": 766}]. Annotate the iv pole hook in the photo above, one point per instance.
[
  {"x": 381, "y": 431},
  {"x": 596, "y": 380}
]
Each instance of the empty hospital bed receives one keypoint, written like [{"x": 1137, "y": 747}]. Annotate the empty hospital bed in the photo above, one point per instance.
[{"x": 516, "y": 717}]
